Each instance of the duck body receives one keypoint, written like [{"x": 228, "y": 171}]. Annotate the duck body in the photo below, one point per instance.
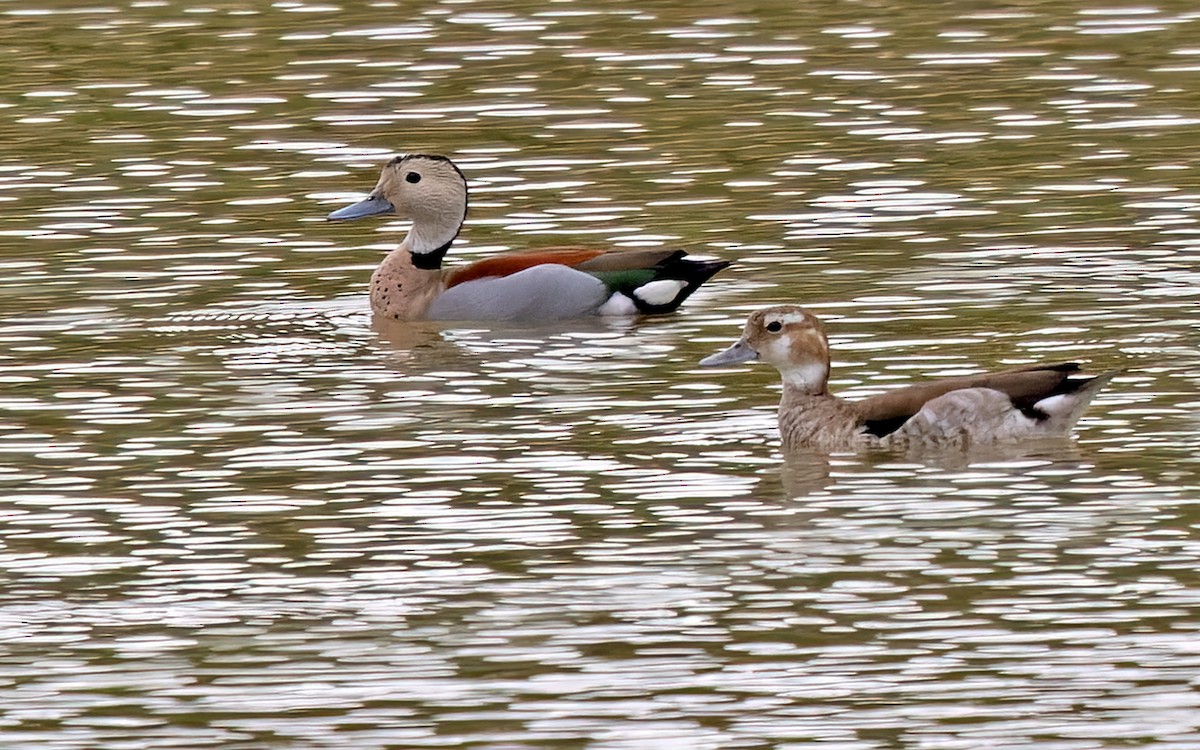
[
  {"x": 410, "y": 283},
  {"x": 1012, "y": 405}
]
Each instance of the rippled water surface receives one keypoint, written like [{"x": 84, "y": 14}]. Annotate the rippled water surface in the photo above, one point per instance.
[{"x": 238, "y": 514}]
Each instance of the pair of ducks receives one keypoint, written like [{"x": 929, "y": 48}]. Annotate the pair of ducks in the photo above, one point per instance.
[{"x": 410, "y": 284}]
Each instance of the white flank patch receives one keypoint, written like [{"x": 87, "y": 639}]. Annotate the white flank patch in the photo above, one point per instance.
[
  {"x": 1060, "y": 404},
  {"x": 661, "y": 292},
  {"x": 618, "y": 304}
]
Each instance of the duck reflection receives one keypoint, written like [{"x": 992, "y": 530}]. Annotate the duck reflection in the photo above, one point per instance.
[{"x": 806, "y": 471}]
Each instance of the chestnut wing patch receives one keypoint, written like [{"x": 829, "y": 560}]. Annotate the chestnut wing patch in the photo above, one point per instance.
[{"x": 507, "y": 265}]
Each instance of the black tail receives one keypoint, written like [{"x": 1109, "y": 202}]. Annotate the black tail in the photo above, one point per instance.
[
  {"x": 677, "y": 267},
  {"x": 1078, "y": 393}
]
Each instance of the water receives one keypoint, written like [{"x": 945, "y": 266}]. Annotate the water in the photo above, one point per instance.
[{"x": 238, "y": 514}]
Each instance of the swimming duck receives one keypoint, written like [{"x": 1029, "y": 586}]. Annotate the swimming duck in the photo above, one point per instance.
[
  {"x": 1016, "y": 404},
  {"x": 411, "y": 284}
]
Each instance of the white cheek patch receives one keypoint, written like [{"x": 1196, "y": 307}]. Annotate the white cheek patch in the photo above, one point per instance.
[
  {"x": 797, "y": 358},
  {"x": 778, "y": 349}
]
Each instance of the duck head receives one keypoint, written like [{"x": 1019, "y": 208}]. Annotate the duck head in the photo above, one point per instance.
[
  {"x": 429, "y": 190},
  {"x": 788, "y": 337}
]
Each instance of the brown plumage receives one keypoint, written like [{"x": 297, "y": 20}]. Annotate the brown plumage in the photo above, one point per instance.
[{"x": 1014, "y": 404}]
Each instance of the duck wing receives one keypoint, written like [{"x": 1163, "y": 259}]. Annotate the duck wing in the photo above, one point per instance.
[
  {"x": 645, "y": 281},
  {"x": 1024, "y": 387}
]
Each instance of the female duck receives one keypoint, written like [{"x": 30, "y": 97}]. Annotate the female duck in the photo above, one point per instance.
[
  {"x": 411, "y": 284},
  {"x": 1017, "y": 404}
]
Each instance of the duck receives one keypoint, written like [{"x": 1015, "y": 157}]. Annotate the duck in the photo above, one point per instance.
[
  {"x": 1018, "y": 404},
  {"x": 539, "y": 285}
]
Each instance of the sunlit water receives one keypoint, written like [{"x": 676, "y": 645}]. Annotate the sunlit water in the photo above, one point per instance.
[{"x": 236, "y": 514}]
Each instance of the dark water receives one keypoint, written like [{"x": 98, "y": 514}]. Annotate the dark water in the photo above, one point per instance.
[{"x": 236, "y": 515}]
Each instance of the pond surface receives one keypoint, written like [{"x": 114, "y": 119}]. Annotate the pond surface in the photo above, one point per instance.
[{"x": 238, "y": 514}]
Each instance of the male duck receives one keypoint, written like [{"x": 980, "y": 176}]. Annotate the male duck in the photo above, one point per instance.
[
  {"x": 411, "y": 284},
  {"x": 1017, "y": 404}
]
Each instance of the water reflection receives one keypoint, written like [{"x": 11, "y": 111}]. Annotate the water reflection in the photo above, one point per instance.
[{"x": 236, "y": 514}]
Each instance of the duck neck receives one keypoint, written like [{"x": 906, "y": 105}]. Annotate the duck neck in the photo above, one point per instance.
[
  {"x": 807, "y": 380},
  {"x": 429, "y": 240},
  {"x": 802, "y": 398},
  {"x": 815, "y": 420},
  {"x": 401, "y": 290}
]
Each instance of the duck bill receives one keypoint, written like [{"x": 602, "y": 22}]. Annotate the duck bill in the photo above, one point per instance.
[
  {"x": 734, "y": 355},
  {"x": 372, "y": 206}
]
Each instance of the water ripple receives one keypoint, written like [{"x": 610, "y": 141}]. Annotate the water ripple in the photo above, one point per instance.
[{"x": 239, "y": 513}]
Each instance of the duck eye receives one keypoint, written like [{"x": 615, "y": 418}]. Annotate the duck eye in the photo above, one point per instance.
[
  {"x": 412, "y": 177},
  {"x": 774, "y": 326}
]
